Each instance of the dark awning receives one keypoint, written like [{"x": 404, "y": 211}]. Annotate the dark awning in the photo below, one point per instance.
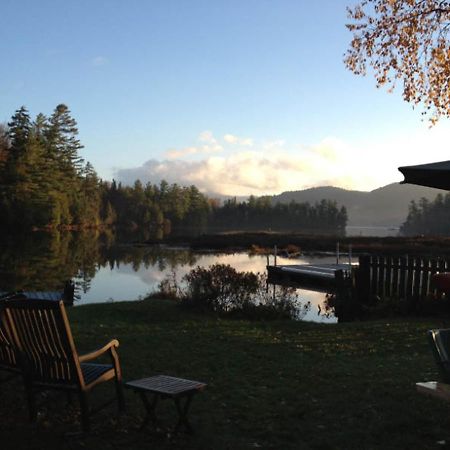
[{"x": 435, "y": 175}]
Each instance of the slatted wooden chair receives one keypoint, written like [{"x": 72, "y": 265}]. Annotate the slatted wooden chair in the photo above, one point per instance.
[
  {"x": 439, "y": 340},
  {"x": 48, "y": 357},
  {"x": 8, "y": 359}
]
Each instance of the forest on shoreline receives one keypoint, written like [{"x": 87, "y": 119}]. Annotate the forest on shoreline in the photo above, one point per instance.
[
  {"x": 428, "y": 217},
  {"x": 46, "y": 184}
]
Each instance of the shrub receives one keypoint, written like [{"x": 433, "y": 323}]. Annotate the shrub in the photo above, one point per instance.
[
  {"x": 223, "y": 290},
  {"x": 168, "y": 287},
  {"x": 220, "y": 288}
]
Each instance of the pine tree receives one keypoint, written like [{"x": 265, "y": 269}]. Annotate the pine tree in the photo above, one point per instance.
[
  {"x": 19, "y": 130},
  {"x": 62, "y": 147},
  {"x": 5, "y": 146},
  {"x": 63, "y": 143}
]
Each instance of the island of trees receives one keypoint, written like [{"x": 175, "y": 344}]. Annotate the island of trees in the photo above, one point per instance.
[{"x": 44, "y": 183}]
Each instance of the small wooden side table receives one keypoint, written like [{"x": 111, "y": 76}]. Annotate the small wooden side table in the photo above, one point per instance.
[{"x": 163, "y": 387}]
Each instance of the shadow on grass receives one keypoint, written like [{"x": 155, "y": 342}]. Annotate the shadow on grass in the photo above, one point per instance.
[{"x": 271, "y": 385}]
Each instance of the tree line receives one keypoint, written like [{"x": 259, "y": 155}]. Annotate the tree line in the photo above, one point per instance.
[
  {"x": 45, "y": 183},
  {"x": 257, "y": 211},
  {"x": 428, "y": 217},
  {"x": 43, "y": 179}
]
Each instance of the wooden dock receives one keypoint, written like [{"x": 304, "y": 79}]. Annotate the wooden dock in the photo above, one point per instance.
[{"x": 320, "y": 275}]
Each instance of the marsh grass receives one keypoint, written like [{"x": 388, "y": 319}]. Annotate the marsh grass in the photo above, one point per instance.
[{"x": 271, "y": 385}]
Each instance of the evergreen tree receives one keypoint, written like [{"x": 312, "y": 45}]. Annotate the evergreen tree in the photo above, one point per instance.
[
  {"x": 428, "y": 218},
  {"x": 63, "y": 143},
  {"x": 19, "y": 130},
  {"x": 4, "y": 146}
]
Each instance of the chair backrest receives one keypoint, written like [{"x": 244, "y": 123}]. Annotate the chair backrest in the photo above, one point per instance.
[
  {"x": 440, "y": 345},
  {"x": 45, "y": 347},
  {"x": 8, "y": 358},
  {"x": 8, "y": 296}
]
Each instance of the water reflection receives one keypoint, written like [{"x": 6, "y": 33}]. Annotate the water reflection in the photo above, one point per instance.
[
  {"x": 104, "y": 271},
  {"x": 125, "y": 282}
]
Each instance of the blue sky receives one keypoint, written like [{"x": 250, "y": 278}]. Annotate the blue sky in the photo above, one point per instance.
[{"x": 236, "y": 96}]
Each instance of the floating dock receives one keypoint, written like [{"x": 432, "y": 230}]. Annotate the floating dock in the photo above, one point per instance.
[{"x": 320, "y": 275}]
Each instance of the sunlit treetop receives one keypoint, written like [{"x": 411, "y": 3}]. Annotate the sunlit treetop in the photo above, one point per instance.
[{"x": 404, "y": 41}]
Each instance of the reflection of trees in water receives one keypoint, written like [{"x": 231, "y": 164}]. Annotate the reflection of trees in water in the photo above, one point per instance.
[
  {"x": 147, "y": 257},
  {"x": 45, "y": 261}
]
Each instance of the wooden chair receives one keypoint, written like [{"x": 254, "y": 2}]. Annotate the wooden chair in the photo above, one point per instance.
[
  {"x": 48, "y": 358},
  {"x": 439, "y": 340},
  {"x": 8, "y": 358}
]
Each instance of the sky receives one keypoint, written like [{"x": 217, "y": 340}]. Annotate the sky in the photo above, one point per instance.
[{"x": 238, "y": 97}]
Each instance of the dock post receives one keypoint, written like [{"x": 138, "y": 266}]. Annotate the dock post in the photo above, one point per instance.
[
  {"x": 275, "y": 255},
  {"x": 337, "y": 253},
  {"x": 350, "y": 255},
  {"x": 339, "y": 277}
]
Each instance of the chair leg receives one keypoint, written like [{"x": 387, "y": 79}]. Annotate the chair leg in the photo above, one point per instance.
[
  {"x": 120, "y": 396},
  {"x": 32, "y": 411},
  {"x": 84, "y": 405}
]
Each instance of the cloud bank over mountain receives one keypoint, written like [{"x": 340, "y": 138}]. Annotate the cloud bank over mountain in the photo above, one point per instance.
[{"x": 235, "y": 165}]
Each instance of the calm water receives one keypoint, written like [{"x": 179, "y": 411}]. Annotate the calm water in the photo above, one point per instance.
[
  {"x": 129, "y": 282},
  {"x": 351, "y": 230},
  {"x": 105, "y": 271}
]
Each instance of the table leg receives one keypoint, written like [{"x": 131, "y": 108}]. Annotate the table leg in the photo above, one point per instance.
[
  {"x": 150, "y": 408},
  {"x": 183, "y": 410}
]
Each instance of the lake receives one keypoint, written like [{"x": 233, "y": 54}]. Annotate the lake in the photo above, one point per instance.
[
  {"x": 128, "y": 282},
  {"x": 104, "y": 271}
]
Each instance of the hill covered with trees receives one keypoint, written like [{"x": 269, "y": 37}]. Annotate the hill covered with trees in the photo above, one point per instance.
[
  {"x": 428, "y": 217},
  {"x": 322, "y": 215},
  {"x": 386, "y": 206},
  {"x": 45, "y": 183}
]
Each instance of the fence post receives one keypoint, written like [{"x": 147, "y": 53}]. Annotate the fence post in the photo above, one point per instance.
[{"x": 363, "y": 278}]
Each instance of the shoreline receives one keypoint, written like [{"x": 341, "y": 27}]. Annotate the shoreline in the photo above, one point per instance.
[{"x": 248, "y": 241}]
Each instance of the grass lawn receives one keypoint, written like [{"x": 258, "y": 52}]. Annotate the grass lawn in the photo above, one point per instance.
[{"x": 271, "y": 385}]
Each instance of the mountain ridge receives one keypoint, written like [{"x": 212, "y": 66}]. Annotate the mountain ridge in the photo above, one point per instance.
[{"x": 384, "y": 206}]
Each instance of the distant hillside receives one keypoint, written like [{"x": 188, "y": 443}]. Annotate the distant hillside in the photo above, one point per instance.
[{"x": 385, "y": 206}]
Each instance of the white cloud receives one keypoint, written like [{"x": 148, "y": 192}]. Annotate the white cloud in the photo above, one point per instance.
[
  {"x": 99, "y": 61},
  {"x": 235, "y": 140},
  {"x": 271, "y": 169},
  {"x": 330, "y": 148},
  {"x": 208, "y": 144},
  {"x": 175, "y": 154},
  {"x": 207, "y": 136},
  {"x": 276, "y": 166}
]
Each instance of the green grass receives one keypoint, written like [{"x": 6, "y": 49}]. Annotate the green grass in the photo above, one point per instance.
[{"x": 271, "y": 385}]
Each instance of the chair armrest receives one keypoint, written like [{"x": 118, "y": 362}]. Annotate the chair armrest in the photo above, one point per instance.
[{"x": 96, "y": 353}]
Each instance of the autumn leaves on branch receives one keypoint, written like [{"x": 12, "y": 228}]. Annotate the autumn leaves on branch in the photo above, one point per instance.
[{"x": 406, "y": 41}]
